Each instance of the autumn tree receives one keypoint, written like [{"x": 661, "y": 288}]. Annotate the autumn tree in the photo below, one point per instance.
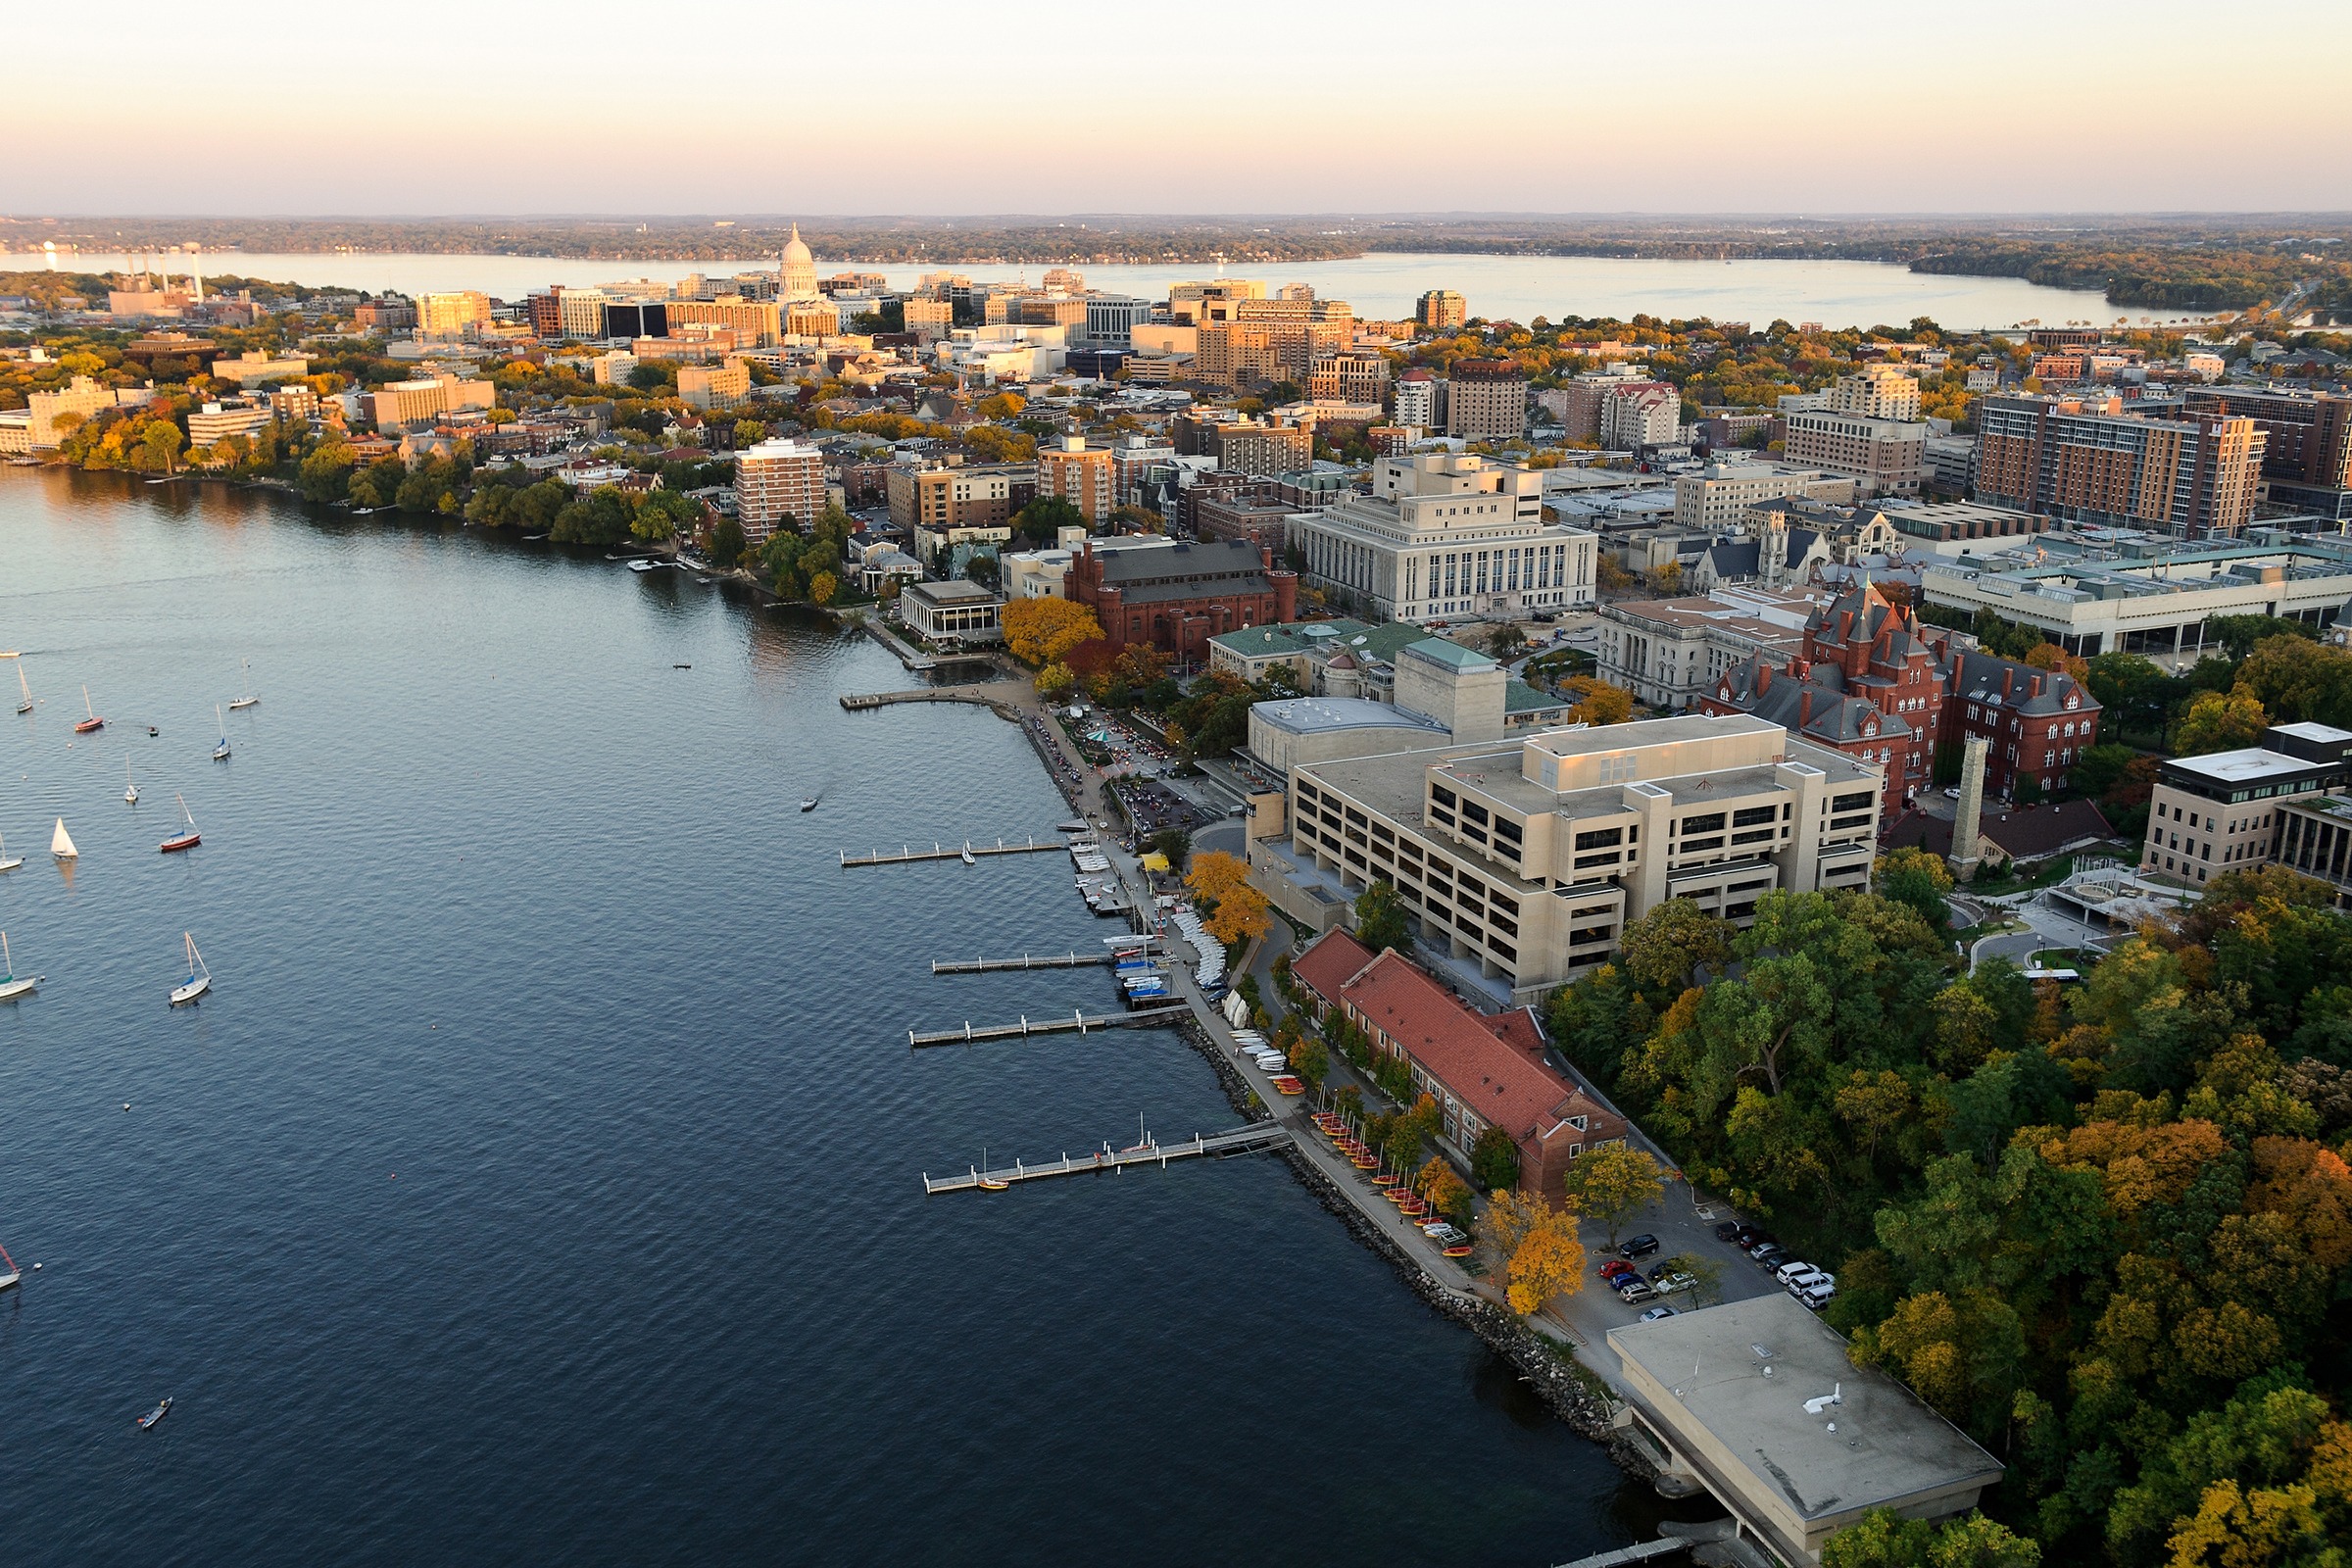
[
  {"x": 1613, "y": 1182},
  {"x": 1595, "y": 702},
  {"x": 2219, "y": 722},
  {"x": 1544, "y": 1258},
  {"x": 1041, "y": 631},
  {"x": 1666, "y": 947}
]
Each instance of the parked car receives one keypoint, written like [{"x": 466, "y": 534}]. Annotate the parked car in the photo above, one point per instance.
[
  {"x": 1658, "y": 1271},
  {"x": 1951, "y": 792},
  {"x": 1768, "y": 1257},
  {"x": 1673, "y": 1282},
  {"x": 1635, "y": 1291},
  {"x": 1640, "y": 1246},
  {"x": 1815, "y": 1296},
  {"x": 1657, "y": 1312},
  {"x": 1751, "y": 1238},
  {"x": 1730, "y": 1231},
  {"x": 1617, "y": 1268},
  {"x": 1789, "y": 1271}
]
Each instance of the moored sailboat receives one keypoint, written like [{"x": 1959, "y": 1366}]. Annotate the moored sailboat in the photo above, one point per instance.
[
  {"x": 187, "y": 838},
  {"x": 130, "y": 786},
  {"x": 239, "y": 704},
  {"x": 12, "y": 986},
  {"x": 220, "y": 751},
  {"x": 82, "y": 726},
  {"x": 7, "y": 864},
  {"x": 199, "y": 980},
  {"x": 61, "y": 842},
  {"x": 25, "y": 706}
]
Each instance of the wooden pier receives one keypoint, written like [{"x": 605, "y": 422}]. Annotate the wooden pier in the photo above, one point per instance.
[
  {"x": 1027, "y": 960},
  {"x": 1075, "y": 1023},
  {"x": 1639, "y": 1551},
  {"x": 1239, "y": 1141},
  {"x": 863, "y": 701},
  {"x": 950, "y": 851}
]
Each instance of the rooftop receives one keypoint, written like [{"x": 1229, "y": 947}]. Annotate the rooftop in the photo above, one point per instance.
[
  {"x": 955, "y": 591},
  {"x": 2249, "y": 764},
  {"x": 1321, "y": 716}
]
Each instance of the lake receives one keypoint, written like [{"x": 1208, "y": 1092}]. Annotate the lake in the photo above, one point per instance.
[
  {"x": 542, "y": 1181},
  {"x": 1380, "y": 286}
]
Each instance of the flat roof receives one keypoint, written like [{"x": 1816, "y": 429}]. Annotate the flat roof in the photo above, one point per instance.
[
  {"x": 954, "y": 591},
  {"x": 2306, "y": 730},
  {"x": 1320, "y": 715},
  {"x": 2245, "y": 765},
  {"x": 1878, "y": 1446}
]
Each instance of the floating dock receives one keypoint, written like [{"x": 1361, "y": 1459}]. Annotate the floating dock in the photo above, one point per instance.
[
  {"x": 1075, "y": 1023},
  {"x": 1639, "y": 1551},
  {"x": 950, "y": 851},
  {"x": 1239, "y": 1141},
  {"x": 1027, "y": 960}
]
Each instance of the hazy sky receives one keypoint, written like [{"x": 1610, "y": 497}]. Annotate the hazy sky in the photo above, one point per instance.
[{"x": 1291, "y": 106}]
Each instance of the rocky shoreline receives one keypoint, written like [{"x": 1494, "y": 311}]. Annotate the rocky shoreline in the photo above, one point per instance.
[{"x": 1562, "y": 1391}]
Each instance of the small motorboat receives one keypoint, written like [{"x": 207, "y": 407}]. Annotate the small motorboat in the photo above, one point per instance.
[
  {"x": 808, "y": 805},
  {"x": 163, "y": 1408},
  {"x": 641, "y": 565}
]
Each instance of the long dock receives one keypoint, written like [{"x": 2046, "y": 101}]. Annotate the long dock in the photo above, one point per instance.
[
  {"x": 1241, "y": 1139},
  {"x": 1639, "y": 1551},
  {"x": 950, "y": 851},
  {"x": 1075, "y": 1023},
  {"x": 1027, "y": 960},
  {"x": 861, "y": 702}
]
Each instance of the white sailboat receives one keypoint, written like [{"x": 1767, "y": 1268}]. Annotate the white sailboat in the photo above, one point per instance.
[
  {"x": 220, "y": 751},
  {"x": 25, "y": 706},
  {"x": 11, "y": 987},
  {"x": 7, "y": 864},
  {"x": 130, "y": 786},
  {"x": 239, "y": 704},
  {"x": 199, "y": 980},
  {"x": 61, "y": 842}
]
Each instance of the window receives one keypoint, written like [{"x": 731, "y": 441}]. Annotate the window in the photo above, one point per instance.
[
  {"x": 1752, "y": 816},
  {"x": 1851, "y": 802},
  {"x": 1710, "y": 822},
  {"x": 1599, "y": 838}
]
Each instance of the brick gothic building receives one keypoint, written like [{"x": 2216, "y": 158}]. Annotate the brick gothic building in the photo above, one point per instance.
[
  {"x": 1879, "y": 685},
  {"x": 1177, "y": 596}
]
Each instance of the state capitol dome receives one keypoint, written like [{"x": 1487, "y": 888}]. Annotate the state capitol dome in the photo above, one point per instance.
[{"x": 797, "y": 269}]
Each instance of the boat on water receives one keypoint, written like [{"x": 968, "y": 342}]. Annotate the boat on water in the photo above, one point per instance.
[
  {"x": 130, "y": 786},
  {"x": 12, "y": 985},
  {"x": 1142, "y": 1143},
  {"x": 988, "y": 1183},
  {"x": 7, "y": 864},
  {"x": 163, "y": 1408},
  {"x": 199, "y": 980},
  {"x": 642, "y": 566},
  {"x": 220, "y": 751},
  {"x": 82, "y": 726},
  {"x": 967, "y": 856},
  {"x": 187, "y": 838},
  {"x": 238, "y": 705},
  {"x": 810, "y": 805},
  {"x": 9, "y": 1275},
  {"x": 61, "y": 842},
  {"x": 25, "y": 705}
]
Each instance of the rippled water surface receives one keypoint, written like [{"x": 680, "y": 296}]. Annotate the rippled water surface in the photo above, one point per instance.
[{"x": 542, "y": 1180}]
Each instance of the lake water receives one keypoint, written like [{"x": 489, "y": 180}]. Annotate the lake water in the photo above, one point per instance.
[
  {"x": 542, "y": 1181},
  {"x": 1379, "y": 286}
]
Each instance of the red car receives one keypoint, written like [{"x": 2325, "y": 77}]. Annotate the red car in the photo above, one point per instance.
[{"x": 1617, "y": 1268}]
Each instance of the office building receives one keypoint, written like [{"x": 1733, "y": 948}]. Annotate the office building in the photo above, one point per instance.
[
  {"x": 811, "y": 319},
  {"x": 1440, "y": 310},
  {"x": 1264, "y": 448},
  {"x": 1485, "y": 400},
  {"x": 1447, "y": 536},
  {"x": 1176, "y": 596},
  {"x": 778, "y": 483},
  {"x": 1877, "y": 392},
  {"x": 406, "y": 403},
  {"x": 2086, "y": 460},
  {"x": 1720, "y": 495},
  {"x": 1083, "y": 476},
  {"x": 1669, "y": 653},
  {"x": 216, "y": 421},
  {"x": 611, "y": 368},
  {"x": 1350, "y": 378},
  {"x": 1886, "y": 455},
  {"x": 1110, "y": 319},
  {"x": 760, "y": 321},
  {"x": 255, "y": 366},
  {"x": 2280, "y": 801},
  {"x": 953, "y": 497},
  {"x": 1420, "y": 400},
  {"x": 1523, "y": 860},
  {"x": 451, "y": 315},
  {"x": 929, "y": 320},
  {"x": 1269, "y": 340},
  {"x": 580, "y": 312},
  {"x": 955, "y": 611}
]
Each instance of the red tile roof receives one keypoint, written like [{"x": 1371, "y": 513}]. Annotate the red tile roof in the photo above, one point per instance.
[{"x": 1328, "y": 965}]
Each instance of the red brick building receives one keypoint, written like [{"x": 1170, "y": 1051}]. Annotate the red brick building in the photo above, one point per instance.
[
  {"x": 1484, "y": 1071},
  {"x": 1880, "y": 686},
  {"x": 1177, "y": 596}
]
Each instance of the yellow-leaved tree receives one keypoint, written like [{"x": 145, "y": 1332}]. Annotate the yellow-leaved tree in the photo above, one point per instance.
[
  {"x": 1543, "y": 1256},
  {"x": 1214, "y": 874},
  {"x": 1041, "y": 631},
  {"x": 1596, "y": 702},
  {"x": 1612, "y": 1182},
  {"x": 1238, "y": 911}
]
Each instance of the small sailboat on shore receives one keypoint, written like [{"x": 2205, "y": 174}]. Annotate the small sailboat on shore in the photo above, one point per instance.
[
  {"x": 84, "y": 726},
  {"x": 130, "y": 786},
  {"x": 238, "y": 705},
  {"x": 61, "y": 842},
  {"x": 11, "y": 985},
  {"x": 199, "y": 980},
  {"x": 187, "y": 838},
  {"x": 25, "y": 706},
  {"x": 220, "y": 751}
]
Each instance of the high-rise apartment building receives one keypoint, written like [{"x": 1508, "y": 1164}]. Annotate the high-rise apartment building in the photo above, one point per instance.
[
  {"x": 1270, "y": 340},
  {"x": 1442, "y": 310},
  {"x": 1885, "y": 457},
  {"x": 1083, "y": 476},
  {"x": 1349, "y": 378},
  {"x": 1878, "y": 392},
  {"x": 1420, "y": 400},
  {"x": 1263, "y": 450},
  {"x": 714, "y": 386},
  {"x": 546, "y": 306},
  {"x": 74, "y": 401},
  {"x": 450, "y": 314},
  {"x": 580, "y": 312},
  {"x": 2306, "y": 436},
  {"x": 1634, "y": 412},
  {"x": 777, "y": 483},
  {"x": 929, "y": 318},
  {"x": 1485, "y": 400},
  {"x": 2084, "y": 459},
  {"x": 939, "y": 500}
]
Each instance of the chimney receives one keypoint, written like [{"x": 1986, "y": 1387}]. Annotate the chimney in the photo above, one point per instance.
[
  {"x": 2008, "y": 679},
  {"x": 1763, "y": 680},
  {"x": 2035, "y": 689},
  {"x": 1804, "y": 707}
]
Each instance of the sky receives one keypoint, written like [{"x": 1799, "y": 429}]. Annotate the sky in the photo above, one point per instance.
[{"x": 520, "y": 106}]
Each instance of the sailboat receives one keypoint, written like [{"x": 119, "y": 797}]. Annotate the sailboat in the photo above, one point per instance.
[
  {"x": 130, "y": 786},
  {"x": 988, "y": 1183},
  {"x": 808, "y": 805},
  {"x": 220, "y": 751},
  {"x": 199, "y": 980},
  {"x": 84, "y": 725},
  {"x": 187, "y": 838},
  {"x": 61, "y": 842},
  {"x": 11, "y": 988},
  {"x": 8, "y": 1275},
  {"x": 967, "y": 854},
  {"x": 25, "y": 706},
  {"x": 7, "y": 864},
  {"x": 239, "y": 704}
]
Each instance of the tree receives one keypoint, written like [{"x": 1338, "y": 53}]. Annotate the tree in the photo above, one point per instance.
[
  {"x": 2298, "y": 681},
  {"x": 1664, "y": 947},
  {"x": 823, "y": 586},
  {"x": 1174, "y": 843},
  {"x": 1885, "y": 1538},
  {"x": 726, "y": 544},
  {"x": 1550, "y": 1262},
  {"x": 1666, "y": 579},
  {"x": 1506, "y": 642},
  {"x": 1918, "y": 879},
  {"x": 1241, "y": 916},
  {"x": 1215, "y": 875},
  {"x": 1380, "y": 919},
  {"x": 1042, "y": 631},
  {"x": 1613, "y": 1182},
  {"x": 1043, "y": 519},
  {"x": 1057, "y": 681},
  {"x": 2219, "y": 722},
  {"x": 1494, "y": 1161},
  {"x": 2238, "y": 634},
  {"x": 1595, "y": 702},
  {"x": 163, "y": 440}
]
